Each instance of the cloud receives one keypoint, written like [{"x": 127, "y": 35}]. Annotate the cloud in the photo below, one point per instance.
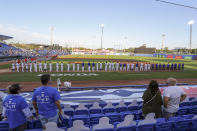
[{"x": 22, "y": 34}]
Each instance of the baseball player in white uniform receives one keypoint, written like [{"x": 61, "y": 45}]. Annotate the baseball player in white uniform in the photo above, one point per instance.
[
  {"x": 68, "y": 67},
  {"x": 97, "y": 66},
  {"x": 106, "y": 64},
  {"x": 109, "y": 66},
  {"x": 149, "y": 67},
  {"x": 57, "y": 67},
  {"x": 141, "y": 67},
  {"x": 50, "y": 67},
  {"x": 117, "y": 66},
  {"x": 35, "y": 67},
  {"x": 13, "y": 67},
  {"x": 77, "y": 67},
  {"x": 22, "y": 66},
  {"x": 17, "y": 67},
  {"x": 45, "y": 67},
  {"x": 73, "y": 67},
  {"x": 40, "y": 67},
  {"x": 132, "y": 67},
  {"x": 128, "y": 66},
  {"x": 82, "y": 66},
  {"x": 145, "y": 67},
  {"x": 26, "y": 67},
  {"x": 62, "y": 67},
  {"x": 101, "y": 66},
  {"x": 30, "y": 67},
  {"x": 89, "y": 66},
  {"x": 113, "y": 66}
]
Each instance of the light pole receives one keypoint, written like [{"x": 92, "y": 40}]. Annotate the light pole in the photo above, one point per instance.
[
  {"x": 163, "y": 37},
  {"x": 51, "y": 34},
  {"x": 102, "y": 26},
  {"x": 191, "y": 22}
]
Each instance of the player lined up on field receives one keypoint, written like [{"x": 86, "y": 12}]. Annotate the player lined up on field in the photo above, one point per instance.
[{"x": 94, "y": 66}]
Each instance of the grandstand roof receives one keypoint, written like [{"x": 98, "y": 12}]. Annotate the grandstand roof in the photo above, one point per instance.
[{"x": 3, "y": 37}]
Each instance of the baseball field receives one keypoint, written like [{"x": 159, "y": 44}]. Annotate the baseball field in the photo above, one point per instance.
[{"x": 189, "y": 75}]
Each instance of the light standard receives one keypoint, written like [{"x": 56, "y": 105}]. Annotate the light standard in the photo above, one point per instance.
[
  {"x": 163, "y": 37},
  {"x": 191, "y": 22},
  {"x": 102, "y": 26},
  {"x": 51, "y": 34}
]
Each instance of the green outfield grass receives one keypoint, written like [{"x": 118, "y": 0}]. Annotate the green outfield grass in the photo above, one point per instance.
[{"x": 189, "y": 72}]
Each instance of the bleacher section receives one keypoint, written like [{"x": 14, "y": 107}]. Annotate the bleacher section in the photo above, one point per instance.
[{"x": 90, "y": 114}]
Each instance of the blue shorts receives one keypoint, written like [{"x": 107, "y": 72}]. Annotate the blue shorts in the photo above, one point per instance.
[{"x": 45, "y": 120}]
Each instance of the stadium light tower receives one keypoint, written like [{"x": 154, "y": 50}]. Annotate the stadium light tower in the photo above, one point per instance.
[
  {"x": 191, "y": 22},
  {"x": 102, "y": 26},
  {"x": 51, "y": 34},
  {"x": 163, "y": 37}
]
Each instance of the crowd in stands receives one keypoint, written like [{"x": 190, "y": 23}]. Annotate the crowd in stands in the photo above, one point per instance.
[
  {"x": 153, "y": 113},
  {"x": 9, "y": 50}
]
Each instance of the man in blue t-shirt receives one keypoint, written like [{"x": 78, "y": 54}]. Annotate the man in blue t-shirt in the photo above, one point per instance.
[
  {"x": 16, "y": 109},
  {"x": 46, "y": 100}
]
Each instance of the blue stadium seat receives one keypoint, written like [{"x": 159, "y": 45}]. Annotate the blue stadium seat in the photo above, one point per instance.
[
  {"x": 193, "y": 110},
  {"x": 183, "y": 110},
  {"x": 193, "y": 125},
  {"x": 185, "y": 104},
  {"x": 74, "y": 106},
  {"x": 94, "y": 118},
  {"x": 69, "y": 112},
  {"x": 63, "y": 121},
  {"x": 81, "y": 112},
  {"x": 164, "y": 126},
  {"x": 121, "y": 109},
  {"x": 127, "y": 103},
  {"x": 84, "y": 118},
  {"x": 108, "y": 110},
  {"x": 95, "y": 111},
  {"x": 107, "y": 129},
  {"x": 115, "y": 104},
  {"x": 88, "y": 105},
  {"x": 127, "y": 128},
  {"x": 182, "y": 125},
  {"x": 102, "y": 104},
  {"x": 147, "y": 127},
  {"x": 35, "y": 124},
  {"x": 113, "y": 117},
  {"x": 4, "y": 126},
  {"x": 133, "y": 108},
  {"x": 34, "y": 130}
]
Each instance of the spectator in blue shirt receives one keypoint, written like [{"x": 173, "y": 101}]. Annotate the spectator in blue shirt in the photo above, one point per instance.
[
  {"x": 46, "y": 100},
  {"x": 16, "y": 109}
]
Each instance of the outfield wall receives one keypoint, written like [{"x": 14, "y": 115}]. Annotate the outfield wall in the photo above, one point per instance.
[{"x": 173, "y": 56}]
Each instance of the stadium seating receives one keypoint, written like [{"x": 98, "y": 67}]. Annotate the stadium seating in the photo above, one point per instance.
[{"x": 95, "y": 117}]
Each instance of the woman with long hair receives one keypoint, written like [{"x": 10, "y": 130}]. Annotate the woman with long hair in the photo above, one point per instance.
[{"x": 152, "y": 100}]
